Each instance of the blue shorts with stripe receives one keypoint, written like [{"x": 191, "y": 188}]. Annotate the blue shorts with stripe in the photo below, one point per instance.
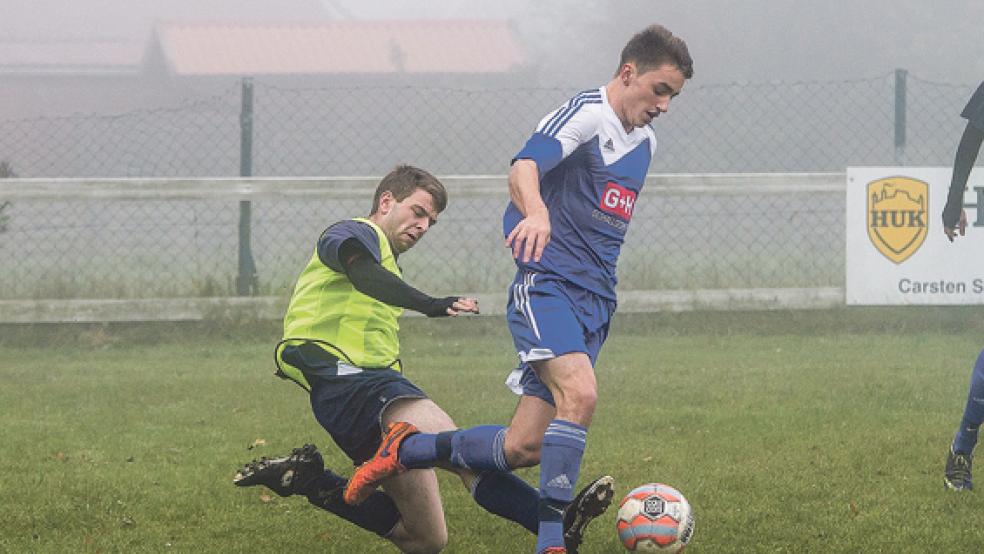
[{"x": 549, "y": 317}]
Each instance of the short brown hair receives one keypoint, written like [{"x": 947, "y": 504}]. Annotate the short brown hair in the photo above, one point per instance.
[
  {"x": 404, "y": 180},
  {"x": 654, "y": 46}
]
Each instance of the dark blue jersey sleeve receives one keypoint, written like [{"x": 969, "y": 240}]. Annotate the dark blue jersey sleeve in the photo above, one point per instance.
[
  {"x": 333, "y": 237},
  {"x": 974, "y": 112},
  {"x": 563, "y": 130},
  {"x": 546, "y": 151}
]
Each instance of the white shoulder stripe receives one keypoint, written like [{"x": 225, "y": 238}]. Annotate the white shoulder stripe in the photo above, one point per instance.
[{"x": 550, "y": 127}]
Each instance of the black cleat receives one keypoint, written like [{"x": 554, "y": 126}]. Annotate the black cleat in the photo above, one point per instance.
[
  {"x": 286, "y": 475},
  {"x": 590, "y": 503},
  {"x": 957, "y": 476}
]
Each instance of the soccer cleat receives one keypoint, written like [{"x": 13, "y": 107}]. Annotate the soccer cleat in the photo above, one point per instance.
[
  {"x": 286, "y": 475},
  {"x": 553, "y": 550},
  {"x": 590, "y": 503},
  {"x": 385, "y": 463},
  {"x": 957, "y": 476}
]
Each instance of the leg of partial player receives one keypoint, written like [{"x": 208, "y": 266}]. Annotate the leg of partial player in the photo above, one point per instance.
[
  {"x": 571, "y": 381},
  {"x": 501, "y": 493},
  {"x": 302, "y": 472},
  {"x": 525, "y": 437},
  {"x": 960, "y": 458},
  {"x": 422, "y": 527},
  {"x": 487, "y": 447}
]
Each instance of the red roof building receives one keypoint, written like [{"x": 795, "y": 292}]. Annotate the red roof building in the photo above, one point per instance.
[{"x": 337, "y": 47}]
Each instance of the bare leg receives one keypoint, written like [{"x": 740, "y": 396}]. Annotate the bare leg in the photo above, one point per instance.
[
  {"x": 525, "y": 435},
  {"x": 572, "y": 383},
  {"x": 422, "y": 527}
]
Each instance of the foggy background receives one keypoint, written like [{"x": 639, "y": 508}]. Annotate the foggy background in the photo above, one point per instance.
[
  {"x": 103, "y": 87},
  {"x": 91, "y": 89},
  {"x": 568, "y": 42}
]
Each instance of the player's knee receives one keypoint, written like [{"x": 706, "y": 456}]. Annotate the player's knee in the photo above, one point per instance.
[
  {"x": 420, "y": 535},
  {"x": 431, "y": 544},
  {"x": 524, "y": 452},
  {"x": 588, "y": 400},
  {"x": 578, "y": 401}
]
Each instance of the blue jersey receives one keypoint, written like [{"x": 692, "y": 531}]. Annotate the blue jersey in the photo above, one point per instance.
[{"x": 591, "y": 174}]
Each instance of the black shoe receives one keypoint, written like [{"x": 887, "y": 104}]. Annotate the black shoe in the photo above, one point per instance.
[
  {"x": 286, "y": 475},
  {"x": 590, "y": 503},
  {"x": 957, "y": 476}
]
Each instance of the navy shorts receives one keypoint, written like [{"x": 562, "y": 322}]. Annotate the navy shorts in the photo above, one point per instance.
[
  {"x": 348, "y": 401},
  {"x": 549, "y": 317}
]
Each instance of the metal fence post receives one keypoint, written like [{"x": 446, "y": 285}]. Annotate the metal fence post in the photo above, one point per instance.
[
  {"x": 246, "y": 280},
  {"x": 900, "y": 98}
]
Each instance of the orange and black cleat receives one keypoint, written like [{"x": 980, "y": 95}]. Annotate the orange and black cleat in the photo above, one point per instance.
[{"x": 384, "y": 464}]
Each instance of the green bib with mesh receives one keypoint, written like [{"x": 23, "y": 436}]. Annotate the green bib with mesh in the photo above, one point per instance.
[{"x": 326, "y": 309}]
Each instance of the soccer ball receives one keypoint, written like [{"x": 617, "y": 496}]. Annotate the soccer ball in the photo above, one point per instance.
[{"x": 655, "y": 518}]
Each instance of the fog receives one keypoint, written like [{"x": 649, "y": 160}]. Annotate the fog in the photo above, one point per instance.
[
  {"x": 778, "y": 85},
  {"x": 740, "y": 40},
  {"x": 577, "y": 41}
]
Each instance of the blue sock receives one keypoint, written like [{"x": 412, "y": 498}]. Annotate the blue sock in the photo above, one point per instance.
[
  {"x": 973, "y": 416},
  {"x": 481, "y": 448},
  {"x": 424, "y": 450},
  {"x": 560, "y": 464},
  {"x": 377, "y": 514},
  {"x": 508, "y": 496}
]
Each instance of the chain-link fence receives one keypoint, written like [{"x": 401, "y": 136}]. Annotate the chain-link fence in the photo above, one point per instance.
[
  {"x": 821, "y": 126},
  {"x": 95, "y": 245},
  {"x": 138, "y": 248}
]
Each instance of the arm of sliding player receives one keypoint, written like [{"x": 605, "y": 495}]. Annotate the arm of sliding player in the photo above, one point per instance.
[{"x": 372, "y": 279}]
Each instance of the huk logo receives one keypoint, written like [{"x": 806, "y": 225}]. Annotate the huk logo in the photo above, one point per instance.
[
  {"x": 897, "y": 208},
  {"x": 609, "y": 145}
]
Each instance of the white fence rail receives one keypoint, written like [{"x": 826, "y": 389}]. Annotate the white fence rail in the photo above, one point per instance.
[{"x": 90, "y": 250}]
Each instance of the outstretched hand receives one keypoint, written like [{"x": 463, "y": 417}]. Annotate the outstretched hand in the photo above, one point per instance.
[{"x": 463, "y": 305}]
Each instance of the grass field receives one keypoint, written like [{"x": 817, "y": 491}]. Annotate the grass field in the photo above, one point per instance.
[{"x": 818, "y": 431}]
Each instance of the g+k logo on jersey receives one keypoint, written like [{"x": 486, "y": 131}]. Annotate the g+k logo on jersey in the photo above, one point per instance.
[
  {"x": 897, "y": 208},
  {"x": 618, "y": 200}
]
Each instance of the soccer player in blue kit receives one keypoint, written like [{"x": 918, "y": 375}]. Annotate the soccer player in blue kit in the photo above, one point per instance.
[
  {"x": 573, "y": 188},
  {"x": 957, "y": 475}
]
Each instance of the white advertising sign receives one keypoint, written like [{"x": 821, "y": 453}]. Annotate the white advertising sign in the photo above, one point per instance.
[{"x": 897, "y": 252}]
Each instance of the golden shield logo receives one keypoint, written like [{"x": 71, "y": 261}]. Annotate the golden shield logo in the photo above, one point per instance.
[{"x": 897, "y": 208}]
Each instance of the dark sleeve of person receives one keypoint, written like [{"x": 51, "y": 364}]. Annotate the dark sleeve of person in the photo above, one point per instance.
[
  {"x": 967, "y": 150},
  {"x": 372, "y": 279},
  {"x": 974, "y": 111},
  {"x": 332, "y": 239}
]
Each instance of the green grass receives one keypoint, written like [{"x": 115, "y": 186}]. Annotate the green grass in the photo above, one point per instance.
[{"x": 788, "y": 432}]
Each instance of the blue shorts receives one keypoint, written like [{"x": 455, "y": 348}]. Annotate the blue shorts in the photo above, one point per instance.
[
  {"x": 348, "y": 401},
  {"x": 549, "y": 317}
]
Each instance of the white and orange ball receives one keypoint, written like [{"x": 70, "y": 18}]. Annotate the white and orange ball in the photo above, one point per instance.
[{"x": 655, "y": 518}]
